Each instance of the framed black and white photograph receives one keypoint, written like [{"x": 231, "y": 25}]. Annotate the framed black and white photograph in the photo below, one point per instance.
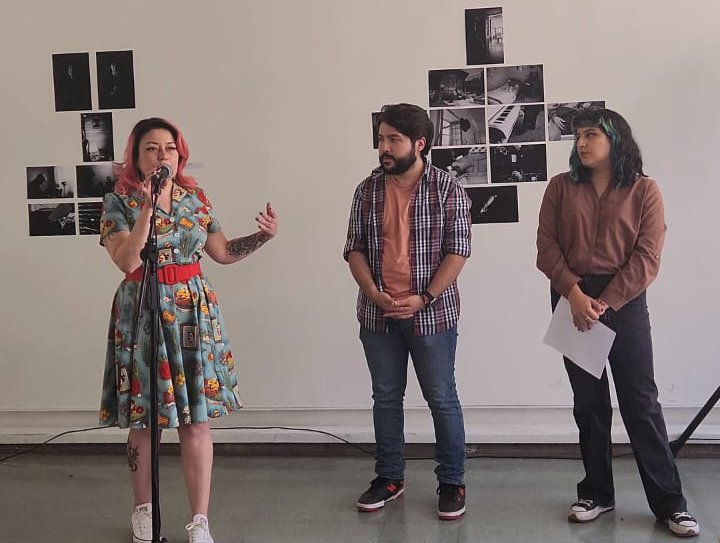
[
  {"x": 71, "y": 81},
  {"x": 49, "y": 182},
  {"x": 484, "y": 36},
  {"x": 51, "y": 219},
  {"x": 560, "y": 118},
  {"x": 95, "y": 180},
  {"x": 89, "y": 214},
  {"x": 461, "y": 87},
  {"x": 97, "y": 137},
  {"x": 467, "y": 164},
  {"x": 375, "y": 124},
  {"x": 516, "y": 123},
  {"x": 493, "y": 204},
  {"x": 515, "y": 84},
  {"x": 461, "y": 126},
  {"x": 116, "y": 80},
  {"x": 518, "y": 163}
]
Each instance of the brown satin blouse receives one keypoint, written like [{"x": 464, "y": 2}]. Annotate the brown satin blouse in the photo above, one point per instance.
[{"x": 620, "y": 233}]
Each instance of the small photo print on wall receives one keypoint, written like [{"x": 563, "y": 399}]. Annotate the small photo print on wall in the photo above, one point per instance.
[
  {"x": 51, "y": 219},
  {"x": 49, "y": 182},
  {"x": 462, "y": 87},
  {"x": 515, "y": 84},
  {"x": 518, "y": 163},
  {"x": 116, "y": 80},
  {"x": 560, "y": 117},
  {"x": 467, "y": 164},
  {"x": 516, "y": 123},
  {"x": 463, "y": 126},
  {"x": 375, "y": 125},
  {"x": 493, "y": 204},
  {"x": 484, "y": 36},
  {"x": 95, "y": 180},
  {"x": 97, "y": 137},
  {"x": 89, "y": 217},
  {"x": 71, "y": 81}
]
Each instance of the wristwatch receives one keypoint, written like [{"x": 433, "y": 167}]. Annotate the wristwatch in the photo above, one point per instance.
[{"x": 427, "y": 298}]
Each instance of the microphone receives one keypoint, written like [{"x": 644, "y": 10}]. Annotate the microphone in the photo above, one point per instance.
[{"x": 163, "y": 172}]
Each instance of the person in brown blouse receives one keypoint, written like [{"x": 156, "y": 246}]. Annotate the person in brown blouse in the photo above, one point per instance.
[{"x": 601, "y": 231}]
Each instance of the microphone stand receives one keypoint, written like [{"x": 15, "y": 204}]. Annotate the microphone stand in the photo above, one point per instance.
[
  {"x": 677, "y": 444},
  {"x": 149, "y": 255}
]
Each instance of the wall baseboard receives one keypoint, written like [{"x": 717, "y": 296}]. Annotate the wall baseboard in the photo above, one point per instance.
[
  {"x": 413, "y": 451},
  {"x": 483, "y": 425}
]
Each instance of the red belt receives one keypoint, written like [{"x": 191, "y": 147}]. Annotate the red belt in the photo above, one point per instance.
[{"x": 169, "y": 274}]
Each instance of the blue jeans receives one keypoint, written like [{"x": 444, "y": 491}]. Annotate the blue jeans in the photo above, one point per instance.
[{"x": 434, "y": 361}]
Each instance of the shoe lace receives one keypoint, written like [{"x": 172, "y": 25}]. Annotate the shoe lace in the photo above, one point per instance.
[
  {"x": 449, "y": 491},
  {"x": 198, "y": 532},
  {"x": 584, "y": 501},
  {"x": 143, "y": 524},
  {"x": 682, "y": 516}
]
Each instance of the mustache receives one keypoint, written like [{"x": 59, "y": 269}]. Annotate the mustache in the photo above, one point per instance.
[{"x": 386, "y": 155}]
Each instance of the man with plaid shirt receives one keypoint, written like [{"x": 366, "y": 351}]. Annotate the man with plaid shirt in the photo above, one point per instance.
[{"x": 408, "y": 239}]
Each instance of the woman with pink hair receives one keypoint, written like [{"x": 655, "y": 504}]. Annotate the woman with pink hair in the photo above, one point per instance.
[{"x": 196, "y": 378}]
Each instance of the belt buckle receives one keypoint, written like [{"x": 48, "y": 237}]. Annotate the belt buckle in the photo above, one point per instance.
[{"x": 170, "y": 275}]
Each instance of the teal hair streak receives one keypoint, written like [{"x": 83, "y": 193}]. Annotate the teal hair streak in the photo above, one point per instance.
[{"x": 617, "y": 164}]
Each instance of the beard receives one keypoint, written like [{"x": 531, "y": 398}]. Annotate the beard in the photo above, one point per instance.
[{"x": 402, "y": 164}]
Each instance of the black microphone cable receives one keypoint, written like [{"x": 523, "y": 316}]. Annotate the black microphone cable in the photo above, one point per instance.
[{"x": 364, "y": 450}]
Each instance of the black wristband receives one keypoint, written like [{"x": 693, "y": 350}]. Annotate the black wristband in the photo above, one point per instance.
[{"x": 428, "y": 298}]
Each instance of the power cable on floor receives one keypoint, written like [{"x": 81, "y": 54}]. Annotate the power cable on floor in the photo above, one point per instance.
[
  {"x": 292, "y": 429},
  {"x": 53, "y": 438},
  {"x": 311, "y": 430}
]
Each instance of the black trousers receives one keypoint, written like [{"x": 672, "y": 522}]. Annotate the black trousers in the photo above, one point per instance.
[{"x": 631, "y": 362}]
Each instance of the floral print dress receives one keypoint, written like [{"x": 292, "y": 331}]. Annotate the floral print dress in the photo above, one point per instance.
[{"x": 196, "y": 378}]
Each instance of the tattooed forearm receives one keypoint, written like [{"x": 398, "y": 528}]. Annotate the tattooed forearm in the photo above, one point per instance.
[
  {"x": 132, "y": 456},
  {"x": 241, "y": 247}
]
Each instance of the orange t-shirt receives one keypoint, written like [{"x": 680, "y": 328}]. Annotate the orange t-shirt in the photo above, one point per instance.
[{"x": 396, "y": 239}]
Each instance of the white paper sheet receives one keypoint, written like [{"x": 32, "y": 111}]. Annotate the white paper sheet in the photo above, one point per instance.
[{"x": 589, "y": 350}]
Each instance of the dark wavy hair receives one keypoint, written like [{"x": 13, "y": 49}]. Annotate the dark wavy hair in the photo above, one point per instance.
[
  {"x": 411, "y": 121},
  {"x": 625, "y": 156}
]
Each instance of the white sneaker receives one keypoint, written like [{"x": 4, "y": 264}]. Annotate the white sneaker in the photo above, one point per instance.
[
  {"x": 198, "y": 530},
  {"x": 141, "y": 520},
  {"x": 586, "y": 510},
  {"x": 683, "y": 524}
]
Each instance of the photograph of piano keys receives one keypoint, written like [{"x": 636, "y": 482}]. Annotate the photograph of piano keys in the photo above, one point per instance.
[{"x": 516, "y": 123}]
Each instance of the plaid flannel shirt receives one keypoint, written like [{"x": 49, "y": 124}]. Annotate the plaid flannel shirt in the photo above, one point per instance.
[{"x": 439, "y": 225}]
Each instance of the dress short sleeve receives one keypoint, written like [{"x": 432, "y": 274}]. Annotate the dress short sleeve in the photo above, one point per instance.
[
  {"x": 114, "y": 216},
  {"x": 212, "y": 223}
]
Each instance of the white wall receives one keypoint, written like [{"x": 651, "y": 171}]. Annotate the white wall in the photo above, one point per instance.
[{"x": 275, "y": 100}]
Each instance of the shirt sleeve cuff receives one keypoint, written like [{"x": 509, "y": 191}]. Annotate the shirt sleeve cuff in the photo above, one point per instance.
[
  {"x": 566, "y": 282},
  {"x": 613, "y": 299}
]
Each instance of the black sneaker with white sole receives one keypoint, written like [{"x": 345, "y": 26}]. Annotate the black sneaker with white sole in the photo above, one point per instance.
[
  {"x": 451, "y": 503},
  {"x": 381, "y": 491},
  {"x": 683, "y": 524},
  {"x": 585, "y": 510}
]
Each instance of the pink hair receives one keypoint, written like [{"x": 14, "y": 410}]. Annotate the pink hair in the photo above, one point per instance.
[{"x": 127, "y": 172}]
